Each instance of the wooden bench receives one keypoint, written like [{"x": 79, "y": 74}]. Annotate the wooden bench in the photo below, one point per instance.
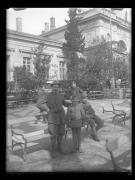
[
  {"x": 119, "y": 115},
  {"x": 21, "y": 139},
  {"x": 16, "y": 103},
  {"x": 128, "y": 93},
  {"x": 95, "y": 94},
  {"x": 41, "y": 116},
  {"x": 11, "y": 104}
]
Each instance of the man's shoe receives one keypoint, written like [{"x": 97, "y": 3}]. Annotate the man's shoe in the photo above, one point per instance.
[
  {"x": 96, "y": 139},
  {"x": 73, "y": 151},
  {"x": 53, "y": 154},
  {"x": 59, "y": 150},
  {"x": 62, "y": 152},
  {"x": 80, "y": 151}
]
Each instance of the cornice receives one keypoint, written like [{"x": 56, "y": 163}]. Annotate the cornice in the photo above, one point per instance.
[
  {"x": 99, "y": 14},
  {"x": 20, "y": 36}
]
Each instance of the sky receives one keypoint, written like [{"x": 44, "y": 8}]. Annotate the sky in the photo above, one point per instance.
[{"x": 33, "y": 19}]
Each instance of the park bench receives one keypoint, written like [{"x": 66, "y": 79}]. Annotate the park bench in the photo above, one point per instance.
[
  {"x": 16, "y": 103},
  {"x": 11, "y": 104},
  {"x": 127, "y": 93},
  {"x": 119, "y": 115},
  {"x": 21, "y": 139},
  {"x": 41, "y": 116},
  {"x": 95, "y": 94}
]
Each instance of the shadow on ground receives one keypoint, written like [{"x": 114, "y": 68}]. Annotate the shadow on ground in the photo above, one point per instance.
[{"x": 92, "y": 160}]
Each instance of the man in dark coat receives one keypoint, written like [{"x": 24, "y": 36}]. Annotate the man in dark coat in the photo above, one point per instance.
[
  {"x": 94, "y": 121},
  {"x": 76, "y": 92},
  {"x": 56, "y": 119}
]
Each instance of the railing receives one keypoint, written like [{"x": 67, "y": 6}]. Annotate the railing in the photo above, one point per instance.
[
  {"x": 18, "y": 98},
  {"x": 95, "y": 94}
]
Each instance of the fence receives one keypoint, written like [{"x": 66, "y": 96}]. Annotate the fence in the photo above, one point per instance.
[
  {"x": 21, "y": 97},
  {"x": 119, "y": 93}
]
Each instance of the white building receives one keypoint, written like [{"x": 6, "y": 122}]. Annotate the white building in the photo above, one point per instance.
[
  {"x": 95, "y": 23},
  {"x": 19, "y": 53}
]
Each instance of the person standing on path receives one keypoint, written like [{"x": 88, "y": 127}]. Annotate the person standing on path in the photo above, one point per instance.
[
  {"x": 76, "y": 92},
  {"x": 108, "y": 84},
  {"x": 75, "y": 119},
  {"x": 56, "y": 119}
]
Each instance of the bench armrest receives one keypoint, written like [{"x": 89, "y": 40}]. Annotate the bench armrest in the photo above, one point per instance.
[{"x": 18, "y": 137}]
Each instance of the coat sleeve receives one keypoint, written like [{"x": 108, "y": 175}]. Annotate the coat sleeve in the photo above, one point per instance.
[
  {"x": 68, "y": 117},
  {"x": 91, "y": 109},
  {"x": 82, "y": 112},
  {"x": 48, "y": 101}
]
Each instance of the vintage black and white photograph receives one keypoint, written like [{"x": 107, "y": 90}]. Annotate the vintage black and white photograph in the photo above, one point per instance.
[{"x": 68, "y": 95}]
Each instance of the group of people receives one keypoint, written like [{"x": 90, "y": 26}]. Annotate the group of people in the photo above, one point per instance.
[{"x": 79, "y": 112}]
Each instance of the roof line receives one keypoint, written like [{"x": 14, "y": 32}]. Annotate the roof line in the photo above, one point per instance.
[
  {"x": 38, "y": 37},
  {"x": 81, "y": 21}
]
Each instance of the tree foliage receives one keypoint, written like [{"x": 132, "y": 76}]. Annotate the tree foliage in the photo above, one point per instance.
[
  {"x": 24, "y": 78},
  {"x": 99, "y": 66},
  {"x": 98, "y": 62},
  {"x": 41, "y": 64},
  {"x": 74, "y": 43}
]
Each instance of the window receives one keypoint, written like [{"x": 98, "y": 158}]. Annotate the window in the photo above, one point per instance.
[
  {"x": 62, "y": 70},
  {"x": 27, "y": 63}
]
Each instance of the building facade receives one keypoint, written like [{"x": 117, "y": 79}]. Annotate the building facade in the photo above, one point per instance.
[
  {"x": 95, "y": 23},
  {"x": 19, "y": 53}
]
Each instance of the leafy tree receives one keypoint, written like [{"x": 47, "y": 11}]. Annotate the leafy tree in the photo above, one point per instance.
[
  {"x": 41, "y": 64},
  {"x": 74, "y": 43},
  {"x": 23, "y": 78},
  {"x": 98, "y": 65}
]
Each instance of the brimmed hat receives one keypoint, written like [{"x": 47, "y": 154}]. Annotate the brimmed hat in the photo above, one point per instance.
[
  {"x": 68, "y": 101},
  {"x": 75, "y": 100}
]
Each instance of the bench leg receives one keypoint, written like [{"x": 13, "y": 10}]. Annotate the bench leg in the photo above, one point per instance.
[
  {"x": 44, "y": 119},
  {"x": 24, "y": 148},
  {"x": 38, "y": 117}
]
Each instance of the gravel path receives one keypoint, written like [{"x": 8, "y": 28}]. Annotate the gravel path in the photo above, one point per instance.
[{"x": 94, "y": 158}]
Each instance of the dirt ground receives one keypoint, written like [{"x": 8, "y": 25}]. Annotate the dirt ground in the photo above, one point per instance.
[{"x": 94, "y": 158}]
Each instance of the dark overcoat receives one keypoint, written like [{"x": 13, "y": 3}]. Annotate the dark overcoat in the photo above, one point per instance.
[{"x": 55, "y": 102}]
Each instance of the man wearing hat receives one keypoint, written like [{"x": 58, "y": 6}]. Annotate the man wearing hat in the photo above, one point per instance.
[
  {"x": 94, "y": 121},
  {"x": 75, "y": 118},
  {"x": 56, "y": 118}
]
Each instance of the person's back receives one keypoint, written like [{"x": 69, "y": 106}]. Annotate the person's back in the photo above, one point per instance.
[
  {"x": 75, "y": 118},
  {"x": 75, "y": 114}
]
